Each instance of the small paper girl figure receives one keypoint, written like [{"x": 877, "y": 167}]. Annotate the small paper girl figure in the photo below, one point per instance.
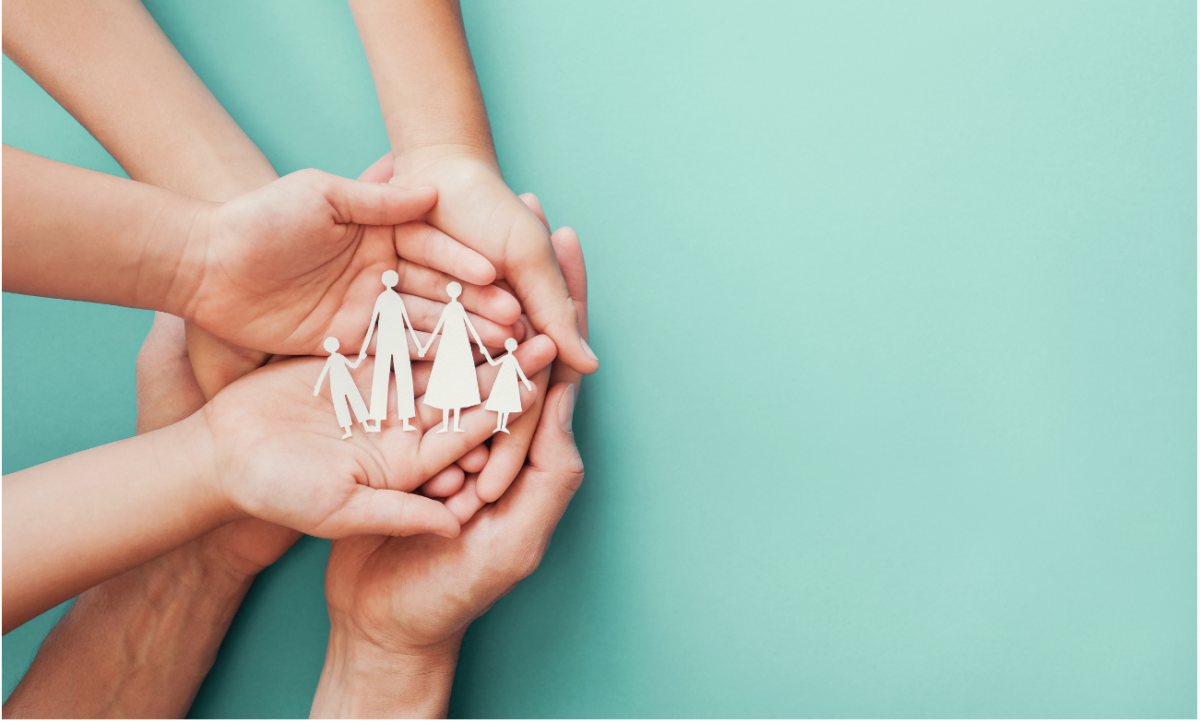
[
  {"x": 506, "y": 396},
  {"x": 452, "y": 383},
  {"x": 342, "y": 387}
]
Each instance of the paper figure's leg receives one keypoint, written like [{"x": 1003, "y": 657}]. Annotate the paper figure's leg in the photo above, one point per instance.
[
  {"x": 347, "y": 434},
  {"x": 499, "y": 422},
  {"x": 504, "y": 422},
  {"x": 445, "y": 422},
  {"x": 457, "y": 411},
  {"x": 380, "y": 380},
  {"x": 408, "y": 427},
  {"x": 359, "y": 407}
]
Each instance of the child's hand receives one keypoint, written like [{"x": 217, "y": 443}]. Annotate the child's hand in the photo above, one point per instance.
[
  {"x": 281, "y": 268},
  {"x": 476, "y": 208},
  {"x": 278, "y": 454}
]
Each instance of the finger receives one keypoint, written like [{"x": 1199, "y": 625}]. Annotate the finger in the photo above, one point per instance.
[
  {"x": 491, "y": 301},
  {"x": 535, "y": 205},
  {"x": 380, "y": 171},
  {"x": 424, "y": 244},
  {"x": 218, "y": 363},
  {"x": 570, "y": 258},
  {"x": 541, "y": 492},
  {"x": 425, "y": 314},
  {"x": 374, "y": 204},
  {"x": 533, "y": 272},
  {"x": 474, "y": 460},
  {"x": 508, "y": 451},
  {"x": 444, "y": 483},
  {"x": 371, "y": 511},
  {"x": 465, "y": 503}
]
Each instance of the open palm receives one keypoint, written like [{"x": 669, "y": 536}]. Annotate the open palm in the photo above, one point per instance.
[
  {"x": 280, "y": 457},
  {"x": 300, "y": 259}
]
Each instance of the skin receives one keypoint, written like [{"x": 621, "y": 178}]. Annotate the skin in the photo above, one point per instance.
[
  {"x": 278, "y": 269},
  {"x": 264, "y": 447},
  {"x": 399, "y": 608},
  {"x": 438, "y": 128}
]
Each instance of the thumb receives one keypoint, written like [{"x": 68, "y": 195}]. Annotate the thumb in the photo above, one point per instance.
[
  {"x": 371, "y": 511},
  {"x": 373, "y": 204}
]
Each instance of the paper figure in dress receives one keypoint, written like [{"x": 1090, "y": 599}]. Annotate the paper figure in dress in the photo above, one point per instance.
[
  {"x": 506, "y": 395},
  {"x": 388, "y": 323},
  {"x": 342, "y": 388},
  {"x": 452, "y": 383}
]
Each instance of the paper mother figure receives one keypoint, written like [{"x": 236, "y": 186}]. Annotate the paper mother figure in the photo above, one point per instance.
[
  {"x": 388, "y": 324},
  {"x": 452, "y": 383},
  {"x": 342, "y": 387}
]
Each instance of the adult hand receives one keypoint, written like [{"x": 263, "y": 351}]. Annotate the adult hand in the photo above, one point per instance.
[
  {"x": 476, "y": 208},
  {"x": 399, "y": 607}
]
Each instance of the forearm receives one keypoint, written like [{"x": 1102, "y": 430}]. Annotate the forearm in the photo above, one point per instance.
[
  {"x": 362, "y": 680},
  {"x": 115, "y": 71},
  {"x": 80, "y": 519},
  {"x": 424, "y": 74},
  {"x": 137, "y": 646},
  {"x": 74, "y": 233}
]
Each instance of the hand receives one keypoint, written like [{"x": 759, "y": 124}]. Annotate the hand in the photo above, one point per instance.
[
  {"x": 167, "y": 392},
  {"x": 508, "y": 451},
  {"x": 281, "y": 268},
  {"x": 278, "y": 454},
  {"x": 398, "y": 608},
  {"x": 476, "y": 208}
]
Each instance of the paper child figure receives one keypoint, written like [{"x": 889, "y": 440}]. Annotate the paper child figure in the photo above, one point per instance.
[
  {"x": 506, "y": 396},
  {"x": 452, "y": 383},
  {"x": 391, "y": 349},
  {"x": 342, "y": 387}
]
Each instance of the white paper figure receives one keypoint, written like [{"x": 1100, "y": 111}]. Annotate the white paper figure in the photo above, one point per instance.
[
  {"x": 452, "y": 383},
  {"x": 388, "y": 323},
  {"x": 506, "y": 396},
  {"x": 342, "y": 387}
]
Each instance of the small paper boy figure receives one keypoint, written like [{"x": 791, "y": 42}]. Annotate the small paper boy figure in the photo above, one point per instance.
[
  {"x": 342, "y": 387},
  {"x": 506, "y": 396}
]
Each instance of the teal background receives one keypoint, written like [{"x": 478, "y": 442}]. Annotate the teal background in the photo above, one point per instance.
[{"x": 896, "y": 304}]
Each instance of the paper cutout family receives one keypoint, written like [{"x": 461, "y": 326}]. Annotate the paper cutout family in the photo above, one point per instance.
[{"x": 452, "y": 383}]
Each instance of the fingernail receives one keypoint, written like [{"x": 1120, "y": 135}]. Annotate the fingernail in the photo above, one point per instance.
[
  {"x": 566, "y": 408},
  {"x": 588, "y": 349}
]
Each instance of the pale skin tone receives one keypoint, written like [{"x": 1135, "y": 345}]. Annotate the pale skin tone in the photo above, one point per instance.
[
  {"x": 78, "y": 520},
  {"x": 399, "y": 608},
  {"x": 439, "y": 132}
]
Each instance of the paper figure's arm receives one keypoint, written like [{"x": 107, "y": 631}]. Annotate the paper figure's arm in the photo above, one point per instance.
[
  {"x": 370, "y": 330},
  {"x": 478, "y": 341},
  {"x": 441, "y": 322},
  {"x": 411, "y": 329},
  {"x": 521, "y": 373},
  {"x": 324, "y": 369},
  {"x": 354, "y": 364}
]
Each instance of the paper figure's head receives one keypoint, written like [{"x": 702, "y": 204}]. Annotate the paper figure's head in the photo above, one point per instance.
[
  {"x": 390, "y": 278},
  {"x": 510, "y": 344},
  {"x": 454, "y": 289},
  {"x": 331, "y": 344}
]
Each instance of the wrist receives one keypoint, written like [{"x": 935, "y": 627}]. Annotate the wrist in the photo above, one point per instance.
[
  {"x": 190, "y": 446},
  {"x": 362, "y": 679},
  {"x": 413, "y": 160},
  {"x": 175, "y": 256}
]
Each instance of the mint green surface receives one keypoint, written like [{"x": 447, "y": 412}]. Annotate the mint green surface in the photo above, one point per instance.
[{"x": 896, "y": 304}]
